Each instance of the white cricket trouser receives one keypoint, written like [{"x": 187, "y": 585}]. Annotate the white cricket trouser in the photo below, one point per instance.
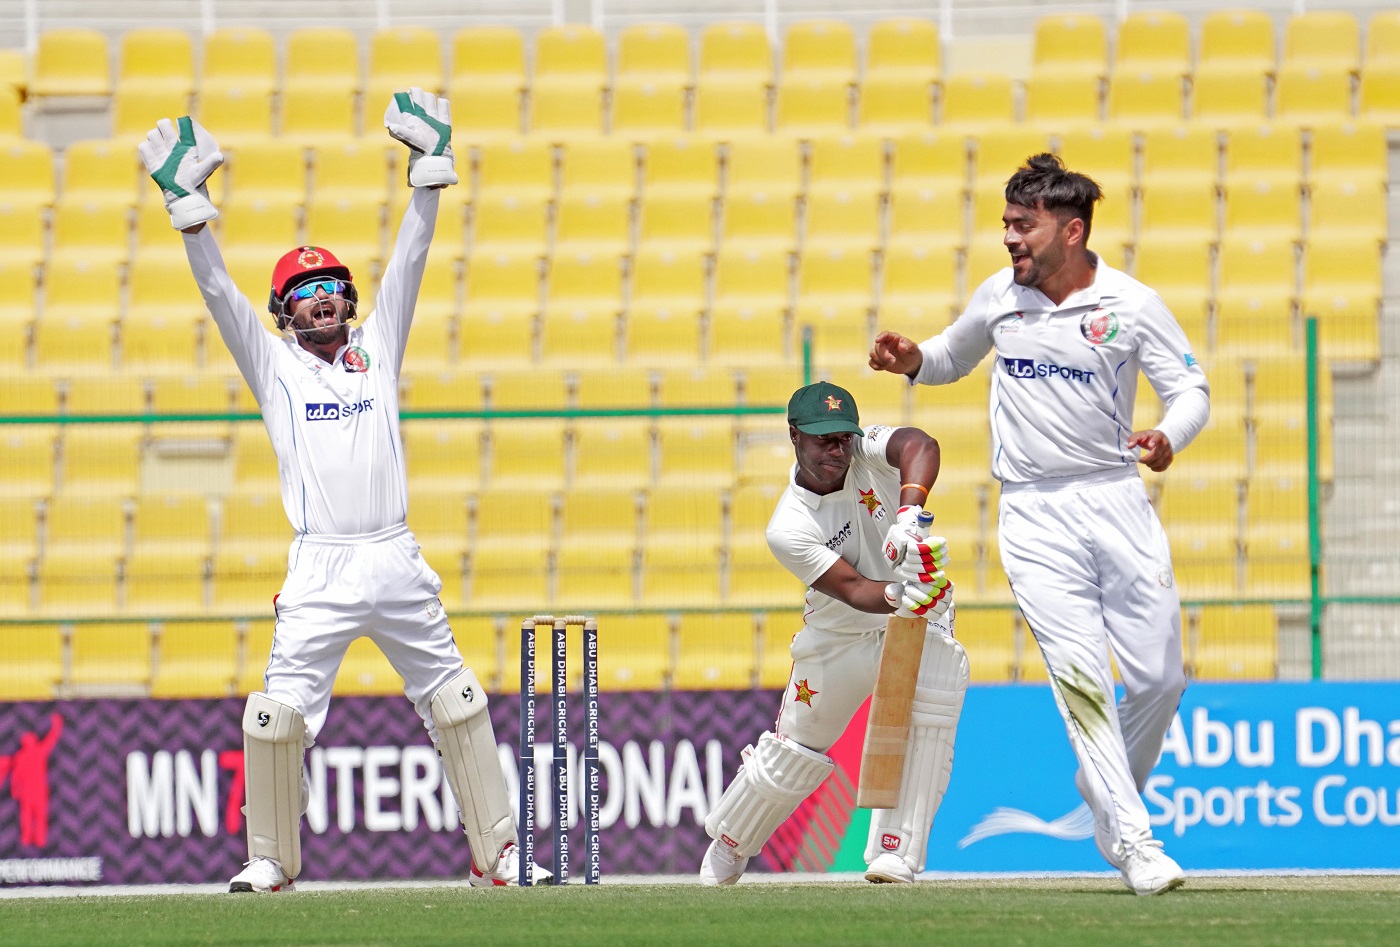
[
  {"x": 839, "y": 670},
  {"x": 1090, "y": 567},
  {"x": 340, "y": 588}
]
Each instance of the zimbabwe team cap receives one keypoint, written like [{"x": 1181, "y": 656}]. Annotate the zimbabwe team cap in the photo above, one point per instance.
[
  {"x": 297, "y": 265},
  {"x": 824, "y": 408}
]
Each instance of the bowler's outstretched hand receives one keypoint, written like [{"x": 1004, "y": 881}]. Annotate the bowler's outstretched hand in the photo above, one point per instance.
[{"x": 892, "y": 352}]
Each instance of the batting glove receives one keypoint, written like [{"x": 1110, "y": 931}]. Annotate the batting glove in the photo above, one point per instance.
[
  {"x": 926, "y": 599},
  {"x": 423, "y": 121},
  {"x": 181, "y": 162},
  {"x": 919, "y": 558}
]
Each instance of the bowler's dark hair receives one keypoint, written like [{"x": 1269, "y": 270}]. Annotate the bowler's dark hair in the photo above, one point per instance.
[{"x": 1046, "y": 184}]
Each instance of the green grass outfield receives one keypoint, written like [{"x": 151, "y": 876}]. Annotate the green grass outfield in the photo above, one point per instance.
[{"x": 1215, "y": 911}]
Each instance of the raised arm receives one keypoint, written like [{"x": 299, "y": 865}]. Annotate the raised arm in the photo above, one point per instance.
[{"x": 946, "y": 357}]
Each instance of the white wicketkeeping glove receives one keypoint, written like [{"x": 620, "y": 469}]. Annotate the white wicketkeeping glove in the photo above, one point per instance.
[
  {"x": 181, "y": 162},
  {"x": 929, "y": 599},
  {"x": 423, "y": 121}
]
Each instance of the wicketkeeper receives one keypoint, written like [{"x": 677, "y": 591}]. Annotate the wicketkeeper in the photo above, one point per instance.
[
  {"x": 845, "y": 527},
  {"x": 328, "y": 391}
]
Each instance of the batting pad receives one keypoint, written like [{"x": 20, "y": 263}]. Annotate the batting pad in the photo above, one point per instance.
[
  {"x": 468, "y": 749},
  {"x": 773, "y": 780},
  {"x": 272, "y": 760},
  {"x": 938, "y": 701}
]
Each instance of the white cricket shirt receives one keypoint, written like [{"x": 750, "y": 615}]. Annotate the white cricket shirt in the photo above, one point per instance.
[
  {"x": 334, "y": 425},
  {"x": 1065, "y": 377},
  {"x": 808, "y": 533}
]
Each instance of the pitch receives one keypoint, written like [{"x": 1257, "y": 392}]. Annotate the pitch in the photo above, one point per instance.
[{"x": 1085, "y": 912}]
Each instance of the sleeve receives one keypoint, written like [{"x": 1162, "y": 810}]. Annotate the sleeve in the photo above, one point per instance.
[
  {"x": 239, "y": 324},
  {"x": 804, "y": 555},
  {"x": 398, "y": 290},
  {"x": 874, "y": 445},
  {"x": 958, "y": 349},
  {"x": 1166, "y": 359}
]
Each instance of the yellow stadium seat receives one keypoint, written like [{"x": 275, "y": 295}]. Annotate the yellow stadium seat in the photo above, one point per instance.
[
  {"x": 689, "y": 385},
  {"x": 988, "y": 208},
  {"x": 350, "y": 170},
  {"x": 730, "y": 108},
  {"x": 936, "y": 158},
  {"x": 570, "y": 55},
  {"x": 585, "y": 281},
  {"x": 1383, "y": 38},
  {"x": 99, "y": 172},
  {"x": 927, "y": 218},
  {"x": 680, "y": 166},
  {"x": 1001, "y": 150},
  {"x": 445, "y": 390},
  {"x": 1227, "y": 99},
  {"x": 74, "y": 525},
  {"x": 1063, "y": 100},
  {"x": 1155, "y": 41},
  {"x": 696, "y": 452},
  {"x": 243, "y": 58},
  {"x": 654, "y": 51},
  {"x": 1342, "y": 287},
  {"x": 74, "y": 343},
  {"x": 600, "y": 167},
  {"x": 154, "y": 57},
  {"x": 662, "y": 276},
  {"x": 582, "y": 336},
  {"x": 591, "y": 578},
  {"x": 752, "y": 505},
  {"x": 835, "y": 275},
  {"x": 1348, "y": 151},
  {"x": 507, "y": 516},
  {"x": 716, "y": 651},
  {"x": 735, "y": 49},
  {"x": 593, "y": 223},
  {"x": 742, "y": 331},
  {"x": 1311, "y": 94},
  {"x": 842, "y": 220},
  {"x": 197, "y": 659},
  {"x": 89, "y": 232},
  {"x": 136, "y": 109},
  {"x": 1237, "y": 41},
  {"x": 1177, "y": 269},
  {"x": 111, "y": 656},
  {"x": 772, "y": 165},
  {"x": 19, "y": 528},
  {"x": 10, "y": 124},
  {"x": 976, "y": 100},
  {"x": 757, "y": 579},
  {"x": 775, "y": 659},
  {"x": 1143, "y": 100},
  {"x": 644, "y": 109},
  {"x": 324, "y": 61},
  {"x": 401, "y": 57},
  {"x": 1277, "y": 505},
  {"x": 600, "y": 516},
  {"x": 1246, "y": 326},
  {"x": 101, "y": 462},
  {"x": 1184, "y": 213},
  {"x": 443, "y": 454},
  {"x": 637, "y": 656},
  {"x": 1281, "y": 449},
  {"x": 811, "y": 105},
  {"x": 683, "y": 574},
  {"x": 612, "y": 454},
  {"x": 254, "y": 472},
  {"x": 1257, "y": 267},
  {"x": 1181, "y": 156},
  {"x": 246, "y": 581},
  {"x": 257, "y": 231},
  {"x": 895, "y": 102},
  {"x": 163, "y": 582},
  {"x": 488, "y": 56},
  {"x": 312, "y": 114},
  {"x": 28, "y": 395},
  {"x": 33, "y": 661},
  {"x": 104, "y": 394},
  {"x": 250, "y": 520},
  {"x": 365, "y": 670},
  {"x": 160, "y": 270},
  {"x": 1280, "y": 390},
  {"x": 352, "y": 225},
  {"x": 820, "y": 47},
  {"x": 523, "y": 166},
  {"x": 440, "y": 524},
  {"x": 529, "y": 456},
  {"x": 483, "y": 113},
  {"x": 989, "y": 637},
  {"x": 26, "y": 174},
  {"x": 658, "y": 333},
  {"x": 847, "y": 162},
  {"x": 520, "y": 390},
  {"x": 172, "y": 523},
  {"x": 605, "y": 388},
  {"x": 984, "y": 260},
  {"x": 1263, "y": 208},
  {"x": 1070, "y": 44},
  {"x": 1329, "y": 38},
  {"x": 1201, "y": 505},
  {"x": 1113, "y": 223},
  {"x": 476, "y": 639},
  {"x": 562, "y": 112},
  {"x": 1237, "y": 642},
  {"x": 29, "y": 467},
  {"x": 837, "y": 328},
  {"x": 915, "y": 274},
  {"x": 257, "y": 649},
  {"x": 1259, "y": 152},
  {"x": 759, "y": 220},
  {"x": 510, "y": 223},
  {"x": 70, "y": 62},
  {"x": 241, "y": 115},
  {"x": 905, "y": 47},
  {"x": 77, "y": 583},
  {"x": 678, "y": 514},
  {"x": 745, "y": 275},
  {"x": 22, "y": 234}
]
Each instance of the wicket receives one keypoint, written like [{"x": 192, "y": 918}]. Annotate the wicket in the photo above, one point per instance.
[{"x": 559, "y": 763}]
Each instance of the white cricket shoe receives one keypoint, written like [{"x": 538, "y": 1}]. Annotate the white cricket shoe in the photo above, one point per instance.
[
  {"x": 507, "y": 872},
  {"x": 263, "y": 876},
  {"x": 1102, "y": 839},
  {"x": 889, "y": 868},
  {"x": 1148, "y": 870},
  {"x": 721, "y": 866}
]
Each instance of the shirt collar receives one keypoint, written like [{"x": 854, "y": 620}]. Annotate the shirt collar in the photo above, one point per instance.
[
  {"x": 809, "y": 499},
  {"x": 1092, "y": 295}
]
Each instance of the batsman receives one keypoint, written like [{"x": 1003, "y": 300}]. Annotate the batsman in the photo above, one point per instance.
[{"x": 847, "y": 526}]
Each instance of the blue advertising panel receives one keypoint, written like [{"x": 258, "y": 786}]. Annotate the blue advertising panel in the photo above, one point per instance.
[{"x": 1252, "y": 776}]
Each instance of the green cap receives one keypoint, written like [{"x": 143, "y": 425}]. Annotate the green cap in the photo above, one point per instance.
[{"x": 823, "y": 408}]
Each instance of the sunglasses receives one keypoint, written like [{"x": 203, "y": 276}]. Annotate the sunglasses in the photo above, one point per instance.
[{"x": 331, "y": 287}]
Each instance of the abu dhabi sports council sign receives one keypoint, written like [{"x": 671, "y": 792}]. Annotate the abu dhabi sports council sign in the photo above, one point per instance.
[{"x": 1252, "y": 776}]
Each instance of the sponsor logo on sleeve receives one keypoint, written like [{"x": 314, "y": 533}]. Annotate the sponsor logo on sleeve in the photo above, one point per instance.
[
  {"x": 1099, "y": 326},
  {"x": 1190, "y": 360}
]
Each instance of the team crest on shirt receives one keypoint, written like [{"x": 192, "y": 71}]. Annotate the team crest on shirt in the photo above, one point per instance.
[
  {"x": 356, "y": 359},
  {"x": 804, "y": 693},
  {"x": 872, "y": 504},
  {"x": 1099, "y": 326}
]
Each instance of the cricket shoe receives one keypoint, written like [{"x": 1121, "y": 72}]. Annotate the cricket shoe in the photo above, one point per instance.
[
  {"x": 889, "y": 869},
  {"x": 721, "y": 866},
  {"x": 1148, "y": 870},
  {"x": 507, "y": 872},
  {"x": 263, "y": 876},
  {"x": 1103, "y": 838}
]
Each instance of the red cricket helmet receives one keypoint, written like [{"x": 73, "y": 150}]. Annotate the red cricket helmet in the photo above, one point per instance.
[{"x": 295, "y": 267}]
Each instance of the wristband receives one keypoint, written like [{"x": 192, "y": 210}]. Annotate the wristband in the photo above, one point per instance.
[{"x": 914, "y": 486}]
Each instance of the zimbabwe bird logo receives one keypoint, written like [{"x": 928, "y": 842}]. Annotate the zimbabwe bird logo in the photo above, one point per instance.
[
  {"x": 871, "y": 501},
  {"x": 805, "y": 693},
  {"x": 833, "y": 403}
]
